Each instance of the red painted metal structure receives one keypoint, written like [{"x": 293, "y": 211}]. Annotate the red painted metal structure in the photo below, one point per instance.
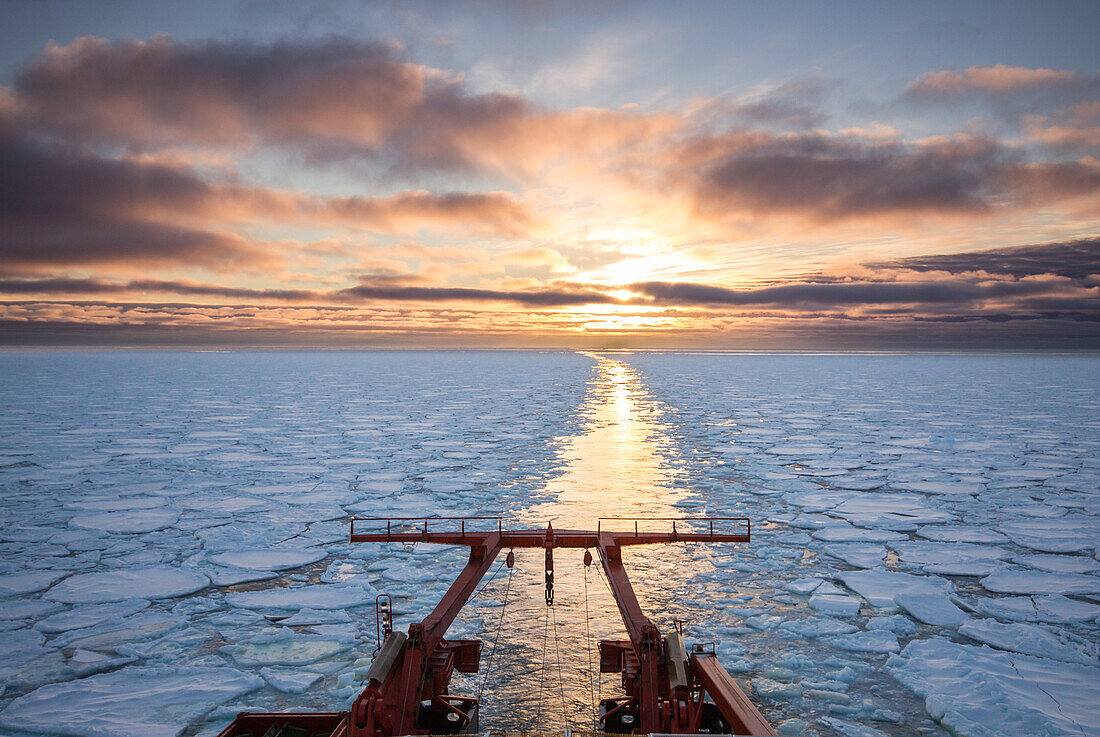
[{"x": 667, "y": 689}]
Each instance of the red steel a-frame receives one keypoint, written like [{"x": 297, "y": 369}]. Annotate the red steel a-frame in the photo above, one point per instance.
[{"x": 667, "y": 689}]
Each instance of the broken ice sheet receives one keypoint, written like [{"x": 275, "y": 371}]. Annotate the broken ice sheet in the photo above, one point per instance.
[
  {"x": 973, "y": 690},
  {"x": 158, "y": 582},
  {"x": 879, "y": 587},
  {"x": 285, "y": 647},
  {"x": 317, "y": 596},
  {"x": 128, "y": 521},
  {"x": 269, "y": 559},
  {"x": 1027, "y": 581},
  {"x": 289, "y": 680},
  {"x": 90, "y": 615},
  {"x": 132, "y": 702},
  {"x": 1030, "y": 639}
]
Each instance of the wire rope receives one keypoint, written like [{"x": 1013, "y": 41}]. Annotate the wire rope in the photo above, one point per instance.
[
  {"x": 496, "y": 637},
  {"x": 588, "y": 635},
  {"x": 561, "y": 680},
  {"x": 542, "y": 664}
]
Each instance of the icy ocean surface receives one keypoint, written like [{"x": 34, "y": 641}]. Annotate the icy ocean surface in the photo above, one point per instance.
[{"x": 924, "y": 557}]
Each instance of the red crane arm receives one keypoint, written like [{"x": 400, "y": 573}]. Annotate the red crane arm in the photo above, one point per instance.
[{"x": 481, "y": 558}]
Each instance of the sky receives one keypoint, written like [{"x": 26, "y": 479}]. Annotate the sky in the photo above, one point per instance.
[{"x": 693, "y": 175}]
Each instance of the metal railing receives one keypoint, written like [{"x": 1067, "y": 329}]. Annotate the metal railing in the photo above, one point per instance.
[
  {"x": 706, "y": 522},
  {"x": 421, "y": 523}
]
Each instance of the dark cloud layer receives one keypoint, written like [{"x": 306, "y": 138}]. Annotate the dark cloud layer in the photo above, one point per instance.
[
  {"x": 359, "y": 293},
  {"x": 331, "y": 97},
  {"x": 62, "y": 205},
  {"x": 1027, "y": 282},
  {"x": 831, "y": 178},
  {"x": 1076, "y": 260},
  {"x": 838, "y": 295}
]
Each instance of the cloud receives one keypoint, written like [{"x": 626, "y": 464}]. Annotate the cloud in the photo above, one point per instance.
[
  {"x": 794, "y": 104},
  {"x": 1074, "y": 128},
  {"x": 398, "y": 287},
  {"x": 954, "y": 292},
  {"x": 339, "y": 92},
  {"x": 65, "y": 205},
  {"x": 544, "y": 257},
  {"x": 829, "y": 178},
  {"x": 333, "y": 99},
  {"x": 994, "y": 80},
  {"x": 1076, "y": 259}
]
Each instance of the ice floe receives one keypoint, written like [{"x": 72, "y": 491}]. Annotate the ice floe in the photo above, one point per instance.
[
  {"x": 158, "y": 582},
  {"x": 977, "y": 691},
  {"x": 132, "y": 702},
  {"x": 879, "y": 587},
  {"x": 286, "y": 647},
  {"x": 319, "y": 596},
  {"x": 1025, "y": 581},
  {"x": 269, "y": 559},
  {"x": 1030, "y": 639},
  {"x": 128, "y": 521},
  {"x": 935, "y": 609}
]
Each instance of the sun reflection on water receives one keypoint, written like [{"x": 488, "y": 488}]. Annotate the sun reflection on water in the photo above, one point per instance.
[{"x": 618, "y": 467}]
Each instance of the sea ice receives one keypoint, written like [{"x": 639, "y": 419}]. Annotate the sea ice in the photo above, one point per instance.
[
  {"x": 1012, "y": 581},
  {"x": 847, "y": 533},
  {"x": 158, "y": 582},
  {"x": 19, "y": 647},
  {"x": 871, "y": 641},
  {"x": 889, "y": 511},
  {"x": 90, "y": 615},
  {"x": 86, "y": 662},
  {"x": 27, "y": 608},
  {"x": 129, "y": 521},
  {"x": 317, "y": 596},
  {"x": 1030, "y": 639},
  {"x": 979, "y": 692},
  {"x": 899, "y": 624},
  {"x": 836, "y": 604},
  {"x": 290, "y": 681},
  {"x": 27, "y": 583},
  {"x": 860, "y": 555},
  {"x": 269, "y": 559},
  {"x": 879, "y": 587},
  {"x": 1057, "y": 608},
  {"x": 961, "y": 534},
  {"x": 817, "y": 627},
  {"x": 285, "y": 647},
  {"x": 108, "y": 636},
  {"x": 852, "y": 729},
  {"x": 132, "y": 702},
  {"x": 232, "y": 576},
  {"x": 933, "y": 609},
  {"x": 316, "y": 616},
  {"x": 1059, "y": 563},
  {"x": 1069, "y": 534}
]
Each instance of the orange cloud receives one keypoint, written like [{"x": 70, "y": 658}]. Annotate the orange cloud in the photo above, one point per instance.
[{"x": 995, "y": 80}]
